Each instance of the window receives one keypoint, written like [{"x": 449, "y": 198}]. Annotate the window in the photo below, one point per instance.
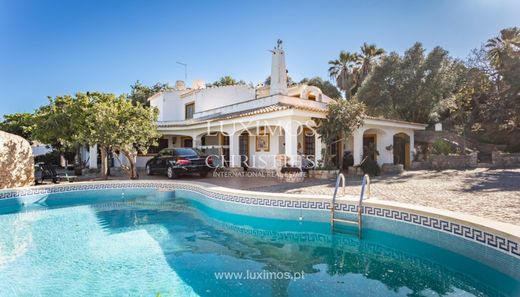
[
  {"x": 309, "y": 143},
  {"x": 189, "y": 110}
]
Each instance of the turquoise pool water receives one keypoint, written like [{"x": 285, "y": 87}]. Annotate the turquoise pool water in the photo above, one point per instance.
[{"x": 109, "y": 244}]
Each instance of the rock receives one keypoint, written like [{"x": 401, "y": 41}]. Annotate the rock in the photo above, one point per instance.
[{"x": 16, "y": 161}]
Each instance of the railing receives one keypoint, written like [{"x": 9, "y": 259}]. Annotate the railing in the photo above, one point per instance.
[{"x": 364, "y": 184}]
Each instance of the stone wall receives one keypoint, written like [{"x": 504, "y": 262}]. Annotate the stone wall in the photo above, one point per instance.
[
  {"x": 439, "y": 162},
  {"x": 505, "y": 160},
  {"x": 16, "y": 161}
]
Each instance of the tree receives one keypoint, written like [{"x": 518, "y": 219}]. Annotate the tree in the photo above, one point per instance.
[
  {"x": 503, "y": 47},
  {"x": 325, "y": 86},
  {"x": 351, "y": 69},
  {"x": 344, "y": 116},
  {"x": 113, "y": 123},
  {"x": 21, "y": 124},
  {"x": 226, "y": 81},
  {"x": 140, "y": 93},
  {"x": 138, "y": 130},
  {"x": 370, "y": 55},
  {"x": 60, "y": 123},
  {"x": 117, "y": 123},
  {"x": 345, "y": 71},
  {"x": 410, "y": 87}
]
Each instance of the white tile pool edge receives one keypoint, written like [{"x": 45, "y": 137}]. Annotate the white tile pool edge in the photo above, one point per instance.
[{"x": 497, "y": 235}]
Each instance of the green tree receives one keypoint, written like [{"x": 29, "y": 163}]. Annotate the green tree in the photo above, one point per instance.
[
  {"x": 21, "y": 124},
  {"x": 60, "y": 123},
  {"x": 113, "y": 123},
  {"x": 325, "y": 86},
  {"x": 351, "y": 69},
  {"x": 117, "y": 123},
  {"x": 345, "y": 70},
  {"x": 227, "y": 81},
  {"x": 344, "y": 116},
  {"x": 370, "y": 55},
  {"x": 140, "y": 93},
  {"x": 138, "y": 131},
  {"x": 504, "y": 47},
  {"x": 410, "y": 87}
]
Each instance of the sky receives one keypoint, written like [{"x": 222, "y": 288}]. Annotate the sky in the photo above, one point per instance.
[{"x": 51, "y": 48}]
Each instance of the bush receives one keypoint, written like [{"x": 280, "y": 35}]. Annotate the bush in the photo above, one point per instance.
[
  {"x": 441, "y": 147},
  {"x": 370, "y": 167}
]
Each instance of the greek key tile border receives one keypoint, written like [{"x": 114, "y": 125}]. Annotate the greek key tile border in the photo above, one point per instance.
[{"x": 491, "y": 240}]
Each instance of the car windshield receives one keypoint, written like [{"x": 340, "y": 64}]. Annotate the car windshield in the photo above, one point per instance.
[{"x": 187, "y": 152}]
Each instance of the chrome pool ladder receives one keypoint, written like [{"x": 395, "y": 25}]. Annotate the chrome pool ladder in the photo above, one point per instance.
[{"x": 359, "y": 221}]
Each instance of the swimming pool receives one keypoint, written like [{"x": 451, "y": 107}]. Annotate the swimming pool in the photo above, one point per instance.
[{"x": 143, "y": 242}]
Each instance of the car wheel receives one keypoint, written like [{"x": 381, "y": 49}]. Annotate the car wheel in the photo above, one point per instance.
[
  {"x": 148, "y": 170},
  {"x": 171, "y": 173},
  {"x": 203, "y": 174}
]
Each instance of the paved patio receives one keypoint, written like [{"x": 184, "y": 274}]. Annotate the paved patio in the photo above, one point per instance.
[{"x": 490, "y": 193}]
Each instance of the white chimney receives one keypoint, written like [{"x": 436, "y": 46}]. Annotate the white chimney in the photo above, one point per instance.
[
  {"x": 198, "y": 84},
  {"x": 278, "y": 71},
  {"x": 180, "y": 86}
]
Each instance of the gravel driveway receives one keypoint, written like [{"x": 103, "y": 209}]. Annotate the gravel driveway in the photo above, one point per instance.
[{"x": 490, "y": 193}]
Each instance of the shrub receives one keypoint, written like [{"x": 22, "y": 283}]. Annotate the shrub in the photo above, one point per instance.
[
  {"x": 441, "y": 147},
  {"x": 370, "y": 167}
]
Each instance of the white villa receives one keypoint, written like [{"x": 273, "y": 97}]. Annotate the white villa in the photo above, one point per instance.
[{"x": 264, "y": 122}]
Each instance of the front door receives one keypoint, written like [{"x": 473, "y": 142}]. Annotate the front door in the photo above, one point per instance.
[{"x": 369, "y": 146}]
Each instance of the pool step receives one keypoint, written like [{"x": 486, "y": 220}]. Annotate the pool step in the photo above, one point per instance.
[
  {"x": 346, "y": 221},
  {"x": 359, "y": 222}
]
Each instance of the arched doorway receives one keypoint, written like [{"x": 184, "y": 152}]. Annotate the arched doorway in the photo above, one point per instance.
[
  {"x": 371, "y": 143},
  {"x": 401, "y": 149}
]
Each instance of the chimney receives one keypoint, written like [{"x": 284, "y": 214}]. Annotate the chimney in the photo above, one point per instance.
[
  {"x": 180, "y": 86},
  {"x": 198, "y": 84},
  {"x": 278, "y": 71}
]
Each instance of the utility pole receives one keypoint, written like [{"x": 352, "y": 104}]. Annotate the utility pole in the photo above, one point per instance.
[{"x": 185, "y": 71}]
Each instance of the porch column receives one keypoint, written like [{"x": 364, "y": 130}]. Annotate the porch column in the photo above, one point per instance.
[
  {"x": 291, "y": 142},
  {"x": 357, "y": 150},
  {"x": 318, "y": 147},
  {"x": 412, "y": 146},
  {"x": 171, "y": 138},
  {"x": 196, "y": 141},
  {"x": 92, "y": 154},
  {"x": 234, "y": 151}
]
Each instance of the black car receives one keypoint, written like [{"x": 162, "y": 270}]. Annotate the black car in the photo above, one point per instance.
[{"x": 175, "y": 162}]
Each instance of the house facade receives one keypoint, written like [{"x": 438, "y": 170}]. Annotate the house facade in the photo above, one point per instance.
[{"x": 264, "y": 126}]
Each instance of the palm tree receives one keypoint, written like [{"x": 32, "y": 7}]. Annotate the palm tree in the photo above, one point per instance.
[
  {"x": 503, "y": 46},
  {"x": 345, "y": 71},
  {"x": 370, "y": 54}
]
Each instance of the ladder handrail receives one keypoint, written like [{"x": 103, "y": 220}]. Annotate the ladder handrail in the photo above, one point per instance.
[
  {"x": 365, "y": 183},
  {"x": 341, "y": 177}
]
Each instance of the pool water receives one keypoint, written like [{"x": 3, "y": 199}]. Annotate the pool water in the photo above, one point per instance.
[{"x": 138, "y": 246}]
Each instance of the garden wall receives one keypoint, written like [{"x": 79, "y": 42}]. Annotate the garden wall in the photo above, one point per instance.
[
  {"x": 16, "y": 161},
  {"x": 439, "y": 162},
  {"x": 505, "y": 160}
]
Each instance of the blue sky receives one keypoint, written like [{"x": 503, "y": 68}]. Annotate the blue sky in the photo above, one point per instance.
[{"x": 50, "y": 48}]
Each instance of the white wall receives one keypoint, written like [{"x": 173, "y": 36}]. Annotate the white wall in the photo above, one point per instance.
[
  {"x": 268, "y": 157},
  {"x": 384, "y": 138},
  {"x": 171, "y": 104}
]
